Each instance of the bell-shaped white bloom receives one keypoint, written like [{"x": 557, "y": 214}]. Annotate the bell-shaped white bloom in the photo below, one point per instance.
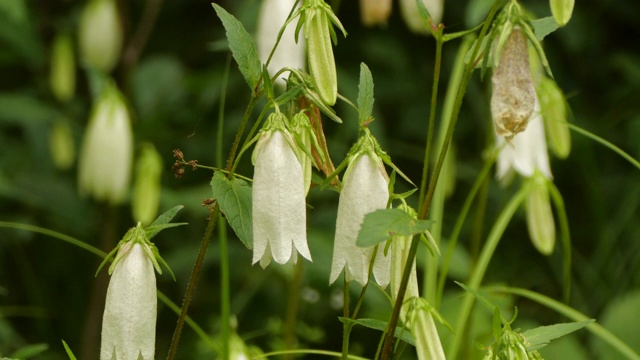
[
  {"x": 100, "y": 34},
  {"x": 273, "y": 15},
  {"x": 412, "y": 18},
  {"x": 526, "y": 152},
  {"x": 130, "y": 312},
  {"x": 278, "y": 195},
  {"x": 365, "y": 189},
  {"x": 105, "y": 161}
]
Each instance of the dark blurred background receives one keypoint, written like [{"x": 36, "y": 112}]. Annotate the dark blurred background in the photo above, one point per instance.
[{"x": 47, "y": 287}]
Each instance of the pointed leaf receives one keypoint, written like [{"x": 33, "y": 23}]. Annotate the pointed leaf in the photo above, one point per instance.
[
  {"x": 376, "y": 324},
  {"x": 234, "y": 198},
  {"x": 544, "y": 26},
  {"x": 242, "y": 47},
  {"x": 540, "y": 336},
  {"x": 380, "y": 225},
  {"x": 153, "y": 230},
  {"x": 167, "y": 216},
  {"x": 68, "y": 350},
  {"x": 365, "y": 94}
]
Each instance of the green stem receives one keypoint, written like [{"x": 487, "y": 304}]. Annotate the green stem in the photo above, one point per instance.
[
  {"x": 291, "y": 319},
  {"x": 393, "y": 322},
  {"x": 566, "y": 240},
  {"x": 308, "y": 352},
  {"x": 481, "y": 267},
  {"x": 606, "y": 143},
  {"x": 457, "y": 228},
  {"x": 204, "y": 244},
  {"x": 346, "y": 328},
  {"x": 574, "y": 315}
]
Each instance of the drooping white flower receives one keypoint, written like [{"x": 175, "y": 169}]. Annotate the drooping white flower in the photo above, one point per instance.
[
  {"x": 273, "y": 15},
  {"x": 375, "y": 12},
  {"x": 105, "y": 161},
  {"x": 527, "y": 151},
  {"x": 130, "y": 312},
  {"x": 278, "y": 196},
  {"x": 365, "y": 189}
]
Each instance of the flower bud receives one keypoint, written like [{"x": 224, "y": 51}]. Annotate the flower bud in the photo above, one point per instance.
[
  {"x": 322, "y": 65},
  {"x": 273, "y": 14},
  {"x": 105, "y": 159},
  {"x": 100, "y": 35},
  {"x": 554, "y": 113},
  {"x": 561, "y": 10},
  {"x": 63, "y": 68},
  {"x": 374, "y": 12},
  {"x": 130, "y": 312},
  {"x": 278, "y": 195},
  {"x": 302, "y": 127},
  {"x": 411, "y": 14},
  {"x": 146, "y": 191},
  {"x": 365, "y": 189},
  {"x": 526, "y": 153},
  {"x": 542, "y": 229},
  {"x": 62, "y": 145},
  {"x": 514, "y": 96}
]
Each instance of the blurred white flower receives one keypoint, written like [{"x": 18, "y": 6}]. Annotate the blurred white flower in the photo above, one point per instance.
[
  {"x": 273, "y": 15},
  {"x": 100, "y": 34},
  {"x": 365, "y": 189},
  {"x": 105, "y": 159},
  {"x": 527, "y": 151},
  {"x": 374, "y": 12},
  {"x": 279, "y": 208},
  {"x": 130, "y": 312},
  {"x": 411, "y": 14}
]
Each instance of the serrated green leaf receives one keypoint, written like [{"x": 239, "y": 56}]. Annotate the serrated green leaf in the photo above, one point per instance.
[
  {"x": 544, "y": 26},
  {"x": 68, "y": 350},
  {"x": 401, "y": 333},
  {"x": 365, "y": 94},
  {"x": 234, "y": 198},
  {"x": 163, "y": 222},
  {"x": 540, "y": 336},
  {"x": 242, "y": 47},
  {"x": 380, "y": 225}
]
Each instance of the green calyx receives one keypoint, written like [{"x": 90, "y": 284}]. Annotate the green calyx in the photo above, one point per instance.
[{"x": 142, "y": 235}]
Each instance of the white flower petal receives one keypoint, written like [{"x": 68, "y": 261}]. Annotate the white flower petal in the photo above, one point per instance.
[
  {"x": 129, "y": 320},
  {"x": 527, "y": 152},
  {"x": 279, "y": 208},
  {"x": 365, "y": 189},
  {"x": 272, "y": 16}
]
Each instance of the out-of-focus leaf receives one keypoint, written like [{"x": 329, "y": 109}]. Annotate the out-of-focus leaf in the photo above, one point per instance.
[
  {"x": 29, "y": 351},
  {"x": 543, "y": 27},
  {"x": 540, "y": 336},
  {"x": 376, "y": 324}
]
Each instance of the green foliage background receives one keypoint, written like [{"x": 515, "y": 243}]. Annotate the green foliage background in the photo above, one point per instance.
[{"x": 47, "y": 288}]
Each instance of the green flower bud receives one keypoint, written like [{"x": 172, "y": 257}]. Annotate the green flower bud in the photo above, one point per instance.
[
  {"x": 542, "y": 229},
  {"x": 322, "y": 65},
  {"x": 63, "y": 68},
  {"x": 375, "y": 12},
  {"x": 100, "y": 35},
  {"x": 105, "y": 160},
  {"x": 562, "y": 10},
  {"x": 514, "y": 96},
  {"x": 62, "y": 145},
  {"x": 146, "y": 191},
  {"x": 554, "y": 113}
]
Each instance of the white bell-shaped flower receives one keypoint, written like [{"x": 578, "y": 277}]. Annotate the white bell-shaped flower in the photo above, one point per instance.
[
  {"x": 365, "y": 189},
  {"x": 105, "y": 161},
  {"x": 526, "y": 152},
  {"x": 279, "y": 208},
  {"x": 130, "y": 312},
  {"x": 273, "y": 15}
]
